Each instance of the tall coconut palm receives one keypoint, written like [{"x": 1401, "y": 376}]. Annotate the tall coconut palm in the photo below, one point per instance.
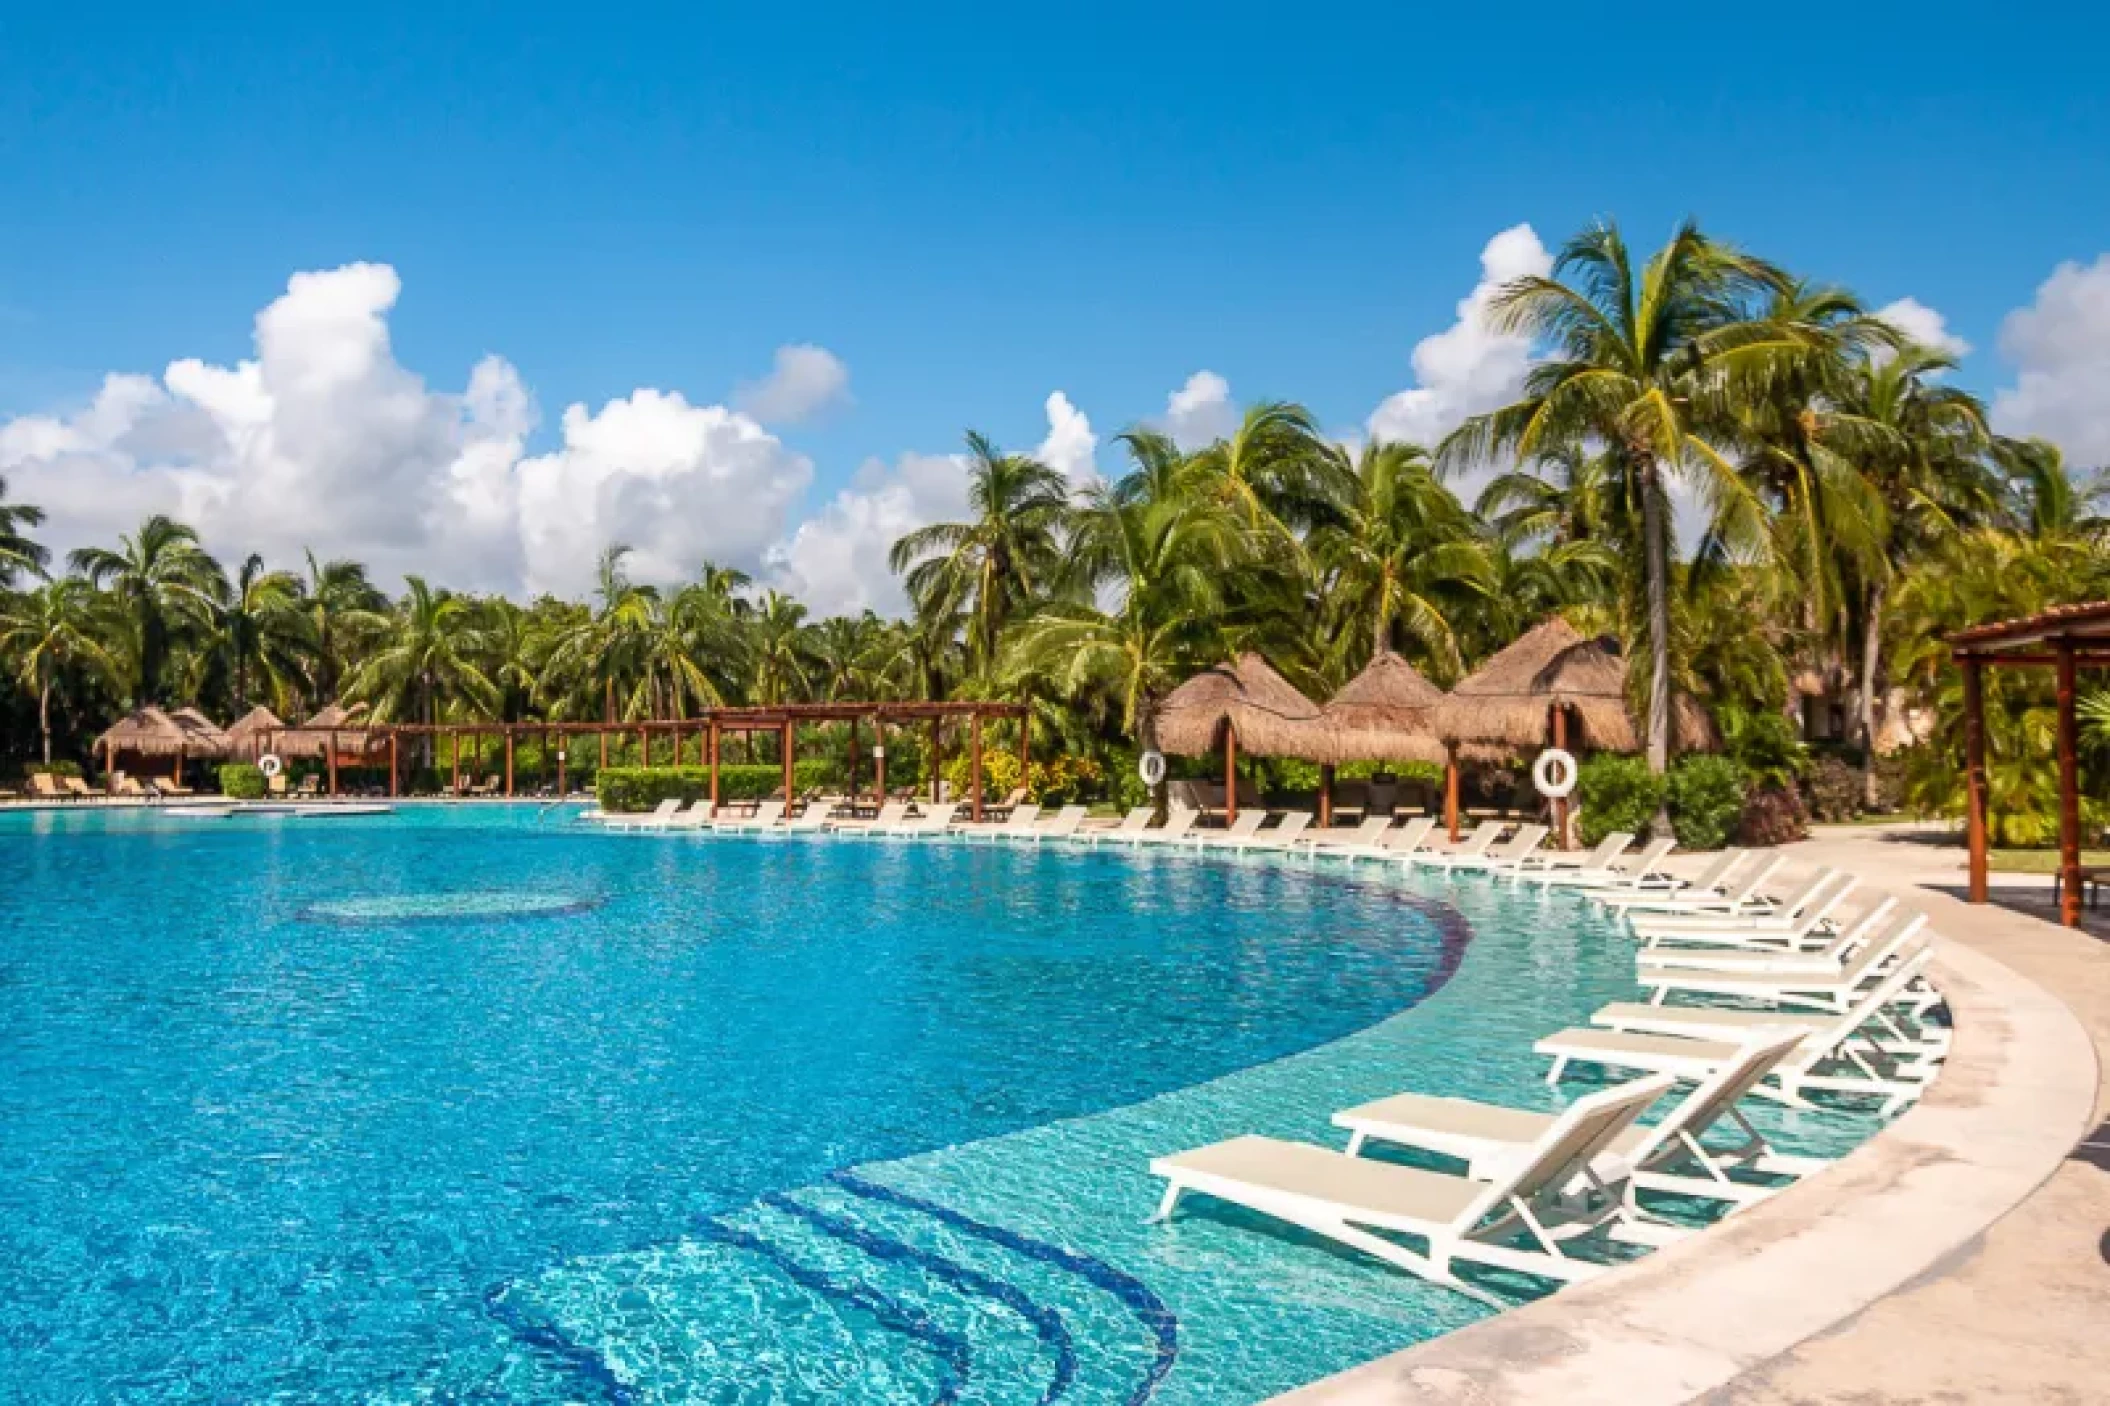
[
  {"x": 1000, "y": 560},
  {"x": 162, "y": 582},
  {"x": 1645, "y": 363},
  {"x": 426, "y": 660},
  {"x": 49, "y": 631},
  {"x": 605, "y": 655},
  {"x": 19, "y": 555},
  {"x": 848, "y": 655},
  {"x": 257, "y": 633},
  {"x": 782, "y": 652},
  {"x": 1273, "y": 474},
  {"x": 342, "y": 608}
]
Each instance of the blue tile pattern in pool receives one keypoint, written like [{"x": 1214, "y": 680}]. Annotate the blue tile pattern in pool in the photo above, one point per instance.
[{"x": 567, "y": 1116}]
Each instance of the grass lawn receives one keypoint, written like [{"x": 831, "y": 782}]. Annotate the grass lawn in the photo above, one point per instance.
[{"x": 2040, "y": 861}]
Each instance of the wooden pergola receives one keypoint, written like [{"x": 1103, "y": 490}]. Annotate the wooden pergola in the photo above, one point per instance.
[
  {"x": 2066, "y": 639},
  {"x": 708, "y": 729}
]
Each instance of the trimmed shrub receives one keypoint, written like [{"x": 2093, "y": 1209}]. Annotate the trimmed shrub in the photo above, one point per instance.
[
  {"x": 623, "y": 789},
  {"x": 1057, "y": 781},
  {"x": 1835, "y": 790},
  {"x": 1705, "y": 796},
  {"x": 242, "y": 781},
  {"x": 1773, "y": 815},
  {"x": 1615, "y": 793}
]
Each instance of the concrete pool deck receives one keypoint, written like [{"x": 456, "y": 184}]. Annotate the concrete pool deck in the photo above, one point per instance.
[{"x": 1960, "y": 1255}]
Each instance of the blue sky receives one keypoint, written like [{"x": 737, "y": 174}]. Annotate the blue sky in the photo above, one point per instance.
[{"x": 973, "y": 207}]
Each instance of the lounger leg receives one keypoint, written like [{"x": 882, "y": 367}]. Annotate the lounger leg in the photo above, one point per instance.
[
  {"x": 1165, "y": 1206},
  {"x": 1560, "y": 1067},
  {"x": 1355, "y": 1143}
]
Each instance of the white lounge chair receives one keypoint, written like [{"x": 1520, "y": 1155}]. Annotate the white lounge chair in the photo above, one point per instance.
[
  {"x": 1178, "y": 821},
  {"x": 1547, "y": 863},
  {"x": 1019, "y": 822},
  {"x": 766, "y": 815},
  {"x": 1644, "y": 873},
  {"x": 1364, "y": 837},
  {"x": 1527, "y": 839},
  {"x": 655, "y": 819},
  {"x": 818, "y": 815},
  {"x": 1740, "y": 898},
  {"x": 1801, "y": 918},
  {"x": 1717, "y": 872},
  {"x": 1667, "y": 1156},
  {"x": 1289, "y": 833},
  {"x": 1243, "y": 826},
  {"x": 1063, "y": 826},
  {"x": 1763, "y": 952},
  {"x": 696, "y": 817},
  {"x": 1351, "y": 1200},
  {"x": 1472, "y": 847},
  {"x": 1402, "y": 845},
  {"x": 932, "y": 821},
  {"x": 890, "y": 813},
  {"x": 1833, "y": 990},
  {"x": 1131, "y": 824},
  {"x": 1689, "y": 1042}
]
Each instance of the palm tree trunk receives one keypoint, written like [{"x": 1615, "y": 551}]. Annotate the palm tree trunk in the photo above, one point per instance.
[
  {"x": 44, "y": 713},
  {"x": 1656, "y": 559},
  {"x": 1871, "y": 650}
]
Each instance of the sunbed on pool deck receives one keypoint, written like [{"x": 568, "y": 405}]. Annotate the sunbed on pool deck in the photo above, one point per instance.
[
  {"x": 658, "y": 816},
  {"x": 1535, "y": 1197},
  {"x": 1172, "y": 832},
  {"x": 1692, "y": 1042},
  {"x": 1132, "y": 822},
  {"x": 1244, "y": 825},
  {"x": 1365, "y": 836},
  {"x": 1063, "y": 826},
  {"x": 1710, "y": 880},
  {"x": 1833, "y": 990},
  {"x": 1550, "y": 862},
  {"x": 1763, "y": 952},
  {"x": 1019, "y": 822},
  {"x": 932, "y": 821},
  {"x": 1524, "y": 841},
  {"x": 890, "y": 814},
  {"x": 1741, "y": 897},
  {"x": 695, "y": 817},
  {"x": 1289, "y": 833},
  {"x": 766, "y": 814},
  {"x": 1667, "y": 1156},
  {"x": 1472, "y": 846},
  {"x": 1400, "y": 845},
  {"x": 1644, "y": 873},
  {"x": 1803, "y": 919},
  {"x": 815, "y": 817}
]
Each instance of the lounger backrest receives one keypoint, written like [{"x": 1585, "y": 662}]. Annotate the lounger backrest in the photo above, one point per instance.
[
  {"x": 1869, "y": 925},
  {"x": 1292, "y": 823},
  {"x": 667, "y": 807},
  {"x": 1371, "y": 830},
  {"x": 1718, "y": 869},
  {"x": 1525, "y": 840},
  {"x": 769, "y": 812},
  {"x": 1608, "y": 849},
  {"x": 891, "y": 813},
  {"x": 1711, "y": 1100},
  {"x": 1066, "y": 821},
  {"x": 1483, "y": 835},
  {"x": 1650, "y": 857},
  {"x": 1813, "y": 886},
  {"x": 1564, "y": 1150},
  {"x": 1135, "y": 819},
  {"x": 1837, "y": 887},
  {"x": 1022, "y": 816},
  {"x": 1180, "y": 821},
  {"x": 1246, "y": 824},
  {"x": 1823, "y": 1041},
  {"x": 1745, "y": 890},
  {"x": 1898, "y": 940},
  {"x": 1412, "y": 835},
  {"x": 937, "y": 817}
]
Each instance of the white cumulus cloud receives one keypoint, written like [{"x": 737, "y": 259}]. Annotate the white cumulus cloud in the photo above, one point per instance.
[
  {"x": 1469, "y": 367},
  {"x": 1200, "y": 412},
  {"x": 805, "y": 381},
  {"x": 2060, "y": 347},
  {"x": 1070, "y": 442},
  {"x": 836, "y": 561},
  {"x": 1923, "y": 325}
]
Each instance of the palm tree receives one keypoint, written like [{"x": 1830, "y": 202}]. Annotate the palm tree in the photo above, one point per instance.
[
  {"x": 163, "y": 582},
  {"x": 18, "y": 554},
  {"x": 783, "y": 655},
  {"x": 1000, "y": 561},
  {"x": 1273, "y": 474},
  {"x": 607, "y": 653},
  {"x": 427, "y": 658},
  {"x": 257, "y": 631},
  {"x": 1403, "y": 553},
  {"x": 51, "y": 629},
  {"x": 847, "y": 655},
  {"x": 1646, "y": 365},
  {"x": 342, "y": 608}
]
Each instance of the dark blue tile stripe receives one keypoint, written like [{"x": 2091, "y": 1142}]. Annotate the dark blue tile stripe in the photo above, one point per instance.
[
  {"x": 1134, "y": 1294},
  {"x": 953, "y": 1353},
  {"x": 1047, "y": 1323},
  {"x": 575, "y": 1360}
]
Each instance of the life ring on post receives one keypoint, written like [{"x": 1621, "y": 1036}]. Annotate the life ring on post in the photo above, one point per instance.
[
  {"x": 270, "y": 765},
  {"x": 1554, "y": 774},
  {"x": 1151, "y": 767}
]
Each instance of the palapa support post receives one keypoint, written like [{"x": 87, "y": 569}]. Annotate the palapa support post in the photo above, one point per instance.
[
  {"x": 333, "y": 762},
  {"x": 974, "y": 768},
  {"x": 785, "y": 750},
  {"x": 1230, "y": 776},
  {"x": 1974, "y": 775},
  {"x": 644, "y": 746},
  {"x": 1325, "y": 794},
  {"x": 1450, "y": 793},
  {"x": 2069, "y": 793},
  {"x": 509, "y": 761},
  {"x": 712, "y": 742},
  {"x": 454, "y": 753},
  {"x": 392, "y": 765},
  {"x": 937, "y": 755},
  {"x": 1562, "y": 840},
  {"x": 878, "y": 762}
]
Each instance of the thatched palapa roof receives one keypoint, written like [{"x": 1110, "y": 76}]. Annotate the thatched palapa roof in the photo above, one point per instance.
[
  {"x": 312, "y": 738},
  {"x": 1384, "y": 714},
  {"x": 1508, "y": 699},
  {"x": 209, "y": 739},
  {"x": 1269, "y": 716},
  {"x": 149, "y": 732},
  {"x": 252, "y": 723}
]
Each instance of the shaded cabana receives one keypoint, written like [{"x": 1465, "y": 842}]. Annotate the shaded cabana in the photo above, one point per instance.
[
  {"x": 208, "y": 739},
  {"x": 1244, "y": 703},
  {"x": 1552, "y": 687},
  {"x": 145, "y": 732},
  {"x": 246, "y": 735},
  {"x": 2066, "y": 640},
  {"x": 1386, "y": 713},
  {"x": 336, "y": 736}
]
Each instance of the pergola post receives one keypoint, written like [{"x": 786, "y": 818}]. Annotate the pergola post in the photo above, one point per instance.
[
  {"x": 644, "y": 746},
  {"x": 560, "y": 760},
  {"x": 332, "y": 763},
  {"x": 602, "y": 733},
  {"x": 1974, "y": 775},
  {"x": 711, "y": 742},
  {"x": 509, "y": 761},
  {"x": 785, "y": 749},
  {"x": 1230, "y": 776},
  {"x": 937, "y": 755},
  {"x": 1025, "y": 745},
  {"x": 393, "y": 783},
  {"x": 1450, "y": 792},
  {"x": 1325, "y": 794},
  {"x": 454, "y": 751},
  {"x": 974, "y": 768},
  {"x": 853, "y": 762},
  {"x": 2069, "y": 793}
]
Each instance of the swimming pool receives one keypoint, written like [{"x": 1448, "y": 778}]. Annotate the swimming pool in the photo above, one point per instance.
[{"x": 475, "y": 1104}]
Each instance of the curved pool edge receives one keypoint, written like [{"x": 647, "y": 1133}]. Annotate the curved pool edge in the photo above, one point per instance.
[{"x": 2018, "y": 1090}]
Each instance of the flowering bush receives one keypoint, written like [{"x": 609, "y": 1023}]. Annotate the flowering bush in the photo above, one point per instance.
[{"x": 1054, "y": 781}]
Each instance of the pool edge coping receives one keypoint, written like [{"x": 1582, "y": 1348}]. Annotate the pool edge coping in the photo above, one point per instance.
[{"x": 2018, "y": 1090}]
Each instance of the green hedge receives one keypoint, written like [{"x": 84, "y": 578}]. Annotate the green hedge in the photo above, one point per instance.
[
  {"x": 1706, "y": 796},
  {"x": 1615, "y": 793},
  {"x": 630, "y": 788},
  {"x": 242, "y": 781}
]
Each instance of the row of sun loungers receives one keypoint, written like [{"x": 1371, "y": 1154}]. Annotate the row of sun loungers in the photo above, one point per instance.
[{"x": 1749, "y": 996}]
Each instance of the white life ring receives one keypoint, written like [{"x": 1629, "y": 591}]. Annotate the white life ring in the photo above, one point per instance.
[
  {"x": 1554, "y": 774},
  {"x": 270, "y": 765},
  {"x": 1151, "y": 767}
]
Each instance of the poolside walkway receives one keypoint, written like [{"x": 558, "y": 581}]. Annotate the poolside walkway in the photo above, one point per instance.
[{"x": 1858, "y": 1287}]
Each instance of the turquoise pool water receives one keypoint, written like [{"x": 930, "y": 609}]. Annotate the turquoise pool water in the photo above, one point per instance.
[{"x": 476, "y": 1104}]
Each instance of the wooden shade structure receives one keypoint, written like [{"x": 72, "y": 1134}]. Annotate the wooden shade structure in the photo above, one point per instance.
[
  {"x": 246, "y": 734},
  {"x": 146, "y": 731},
  {"x": 208, "y": 739},
  {"x": 1386, "y": 713},
  {"x": 2066, "y": 639},
  {"x": 1244, "y": 703}
]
